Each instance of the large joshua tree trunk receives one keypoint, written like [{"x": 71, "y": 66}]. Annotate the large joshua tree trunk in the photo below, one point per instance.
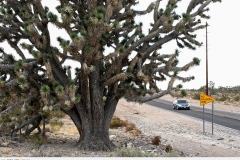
[
  {"x": 92, "y": 115},
  {"x": 94, "y": 131}
]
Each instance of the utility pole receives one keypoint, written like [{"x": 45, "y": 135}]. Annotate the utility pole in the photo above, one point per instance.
[
  {"x": 206, "y": 60},
  {"x": 206, "y": 78},
  {"x": 207, "y": 83}
]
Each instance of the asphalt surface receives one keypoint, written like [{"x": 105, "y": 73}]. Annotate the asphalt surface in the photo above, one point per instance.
[{"x": 227, "y": 119}]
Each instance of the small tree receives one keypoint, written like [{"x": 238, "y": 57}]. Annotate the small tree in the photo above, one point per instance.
[
  {"x": 113, "y": 57},
  {"x": 212, "y": 88}
]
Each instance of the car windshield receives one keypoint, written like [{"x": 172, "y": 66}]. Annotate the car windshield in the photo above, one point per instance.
[{"x": 182, "y": 101}]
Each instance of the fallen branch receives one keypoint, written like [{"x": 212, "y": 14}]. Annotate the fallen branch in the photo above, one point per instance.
[{"x": 30, "y": 121}]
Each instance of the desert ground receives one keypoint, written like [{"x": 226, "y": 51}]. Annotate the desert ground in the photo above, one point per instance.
[{"x": 183, "y": 133}]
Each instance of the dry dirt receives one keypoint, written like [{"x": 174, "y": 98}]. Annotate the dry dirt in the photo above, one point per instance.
[{"x": 182, "y": 132}]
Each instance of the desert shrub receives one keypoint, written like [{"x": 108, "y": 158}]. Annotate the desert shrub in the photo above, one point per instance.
[
  {"x": 213, "y": 92},
  {"x": 130, "y": 152},
  {"x": 117, "y": 122},
  {"x": 183, "y": 93},
  {"x": 237, "y": 98},
  {"x": 223, "y": 97},
  {"x": 196, "y": 96},
  {"x": 130, "y": 127},
  {"x": 168, "y": 148},
  {"x": 135, "y": 132},
  {"x": 156, "y": 140}
]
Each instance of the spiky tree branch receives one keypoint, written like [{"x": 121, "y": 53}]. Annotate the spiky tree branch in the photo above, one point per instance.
[{"x": 112, "y": 55}]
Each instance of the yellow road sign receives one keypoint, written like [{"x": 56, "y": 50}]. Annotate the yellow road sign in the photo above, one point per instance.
[{"x": 204, "y": 99}]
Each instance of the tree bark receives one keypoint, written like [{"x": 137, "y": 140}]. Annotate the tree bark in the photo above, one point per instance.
[
  {"x": 93, "y": 123},
  {"x": 94, "y": 132},
  {"x": 97, "y": 140}
]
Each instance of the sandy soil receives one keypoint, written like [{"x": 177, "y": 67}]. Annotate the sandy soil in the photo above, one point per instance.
[{"x": 184, "y": 133}]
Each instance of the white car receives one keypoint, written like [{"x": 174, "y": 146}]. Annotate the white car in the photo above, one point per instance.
[{"x": 181, "y": 104}]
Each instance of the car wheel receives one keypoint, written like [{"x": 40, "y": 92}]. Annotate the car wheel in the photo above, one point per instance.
[
  {"x": 177, "y": 108},
  {"x": 173, "y": 107}
]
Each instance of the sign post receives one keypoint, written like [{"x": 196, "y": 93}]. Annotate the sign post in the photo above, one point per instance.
[
  {"x": 203, "y": 120},
  {"x": 204, "y": 99},
  {"x": 212, "y": 115}
]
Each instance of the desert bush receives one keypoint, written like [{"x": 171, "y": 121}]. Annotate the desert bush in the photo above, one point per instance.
[
  {"x": 135, "y": 132},
  {"x": 196, "y": 96},
  {"x": 223, "y": 97},
  {"x": 117, "y": 122},
  {"x": 237, "y": 98},
  {"x": 129, "y": 127},
  {"x": 156, "y": 140},
  {"x": 213, "y": 92},
  {"x": 168, "y": 148},
  {"x": 132, "y": 129},
  {"x": 183, "y": 93},
  {"x": 130, "y": 152}
]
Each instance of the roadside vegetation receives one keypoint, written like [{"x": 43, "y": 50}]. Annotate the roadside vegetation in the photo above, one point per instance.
[
  {"x": 129, "y": 127},
  {"x": 226, "y": 95}
]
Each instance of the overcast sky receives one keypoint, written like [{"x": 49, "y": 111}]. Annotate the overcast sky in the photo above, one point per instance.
[{"x": 223, "y": 46}]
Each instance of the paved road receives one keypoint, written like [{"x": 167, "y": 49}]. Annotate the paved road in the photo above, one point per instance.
[{"x": 227, "y": 119}]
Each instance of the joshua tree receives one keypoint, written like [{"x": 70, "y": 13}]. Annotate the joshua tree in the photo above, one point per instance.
[{"x": 114, "y": 58}]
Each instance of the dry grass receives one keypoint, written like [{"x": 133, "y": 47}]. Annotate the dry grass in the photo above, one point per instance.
[
  {"x": 130, "y": 152},
  {"x": 129, "y": 127},
  {"x": 117, "y": 122},
  {"x": 69, "y": 130},
  {"x": 7, "y": 151},
  {"x": 55, "y": 125},
  {"x": 58, "y": 126},
  {"x": 172, "y": 154}
]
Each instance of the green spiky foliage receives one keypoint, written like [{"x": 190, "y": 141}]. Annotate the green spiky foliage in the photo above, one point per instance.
[{"x": 113, "y": 56}]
